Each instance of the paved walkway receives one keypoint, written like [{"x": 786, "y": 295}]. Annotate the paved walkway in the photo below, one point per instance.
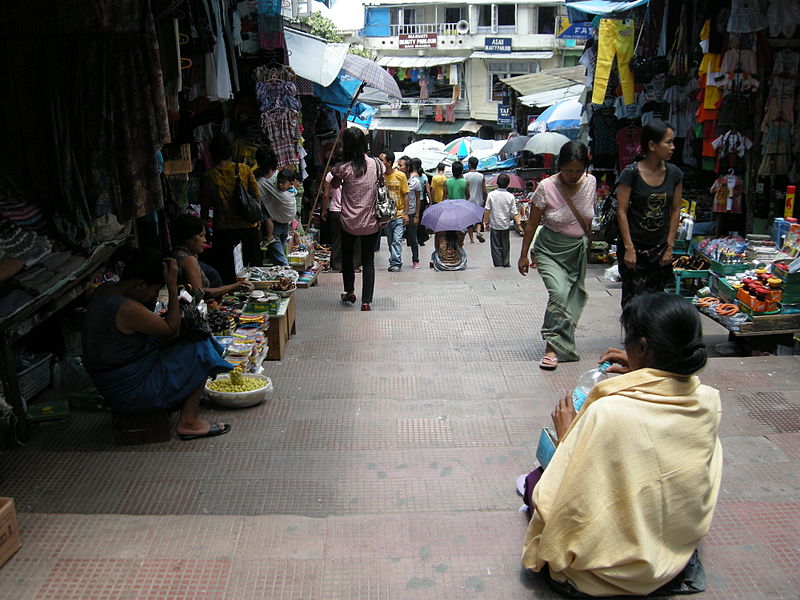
[{"x": 384, "y": 465}]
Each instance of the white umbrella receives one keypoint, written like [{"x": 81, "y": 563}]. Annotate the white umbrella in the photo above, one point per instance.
[
  {"x": 423, "y": 145},
  {"x": 549, "y": 142}
]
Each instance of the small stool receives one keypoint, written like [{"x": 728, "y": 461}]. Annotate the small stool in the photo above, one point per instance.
[{"x": 141, "y": 428}]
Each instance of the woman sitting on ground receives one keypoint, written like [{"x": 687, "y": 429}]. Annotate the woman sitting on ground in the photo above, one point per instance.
[
  {"x": 633, "y": 483},
  {"x": 449, "y": 254},
  {"x": 132, "y": 354},
  {"x": 189, "y": 234}
]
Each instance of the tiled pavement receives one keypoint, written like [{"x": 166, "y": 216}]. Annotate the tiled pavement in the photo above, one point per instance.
[{"x": 383, "y": 466}]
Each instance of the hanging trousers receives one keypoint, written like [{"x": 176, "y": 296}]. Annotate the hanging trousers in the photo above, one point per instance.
[{"x": 615, "y": 39}]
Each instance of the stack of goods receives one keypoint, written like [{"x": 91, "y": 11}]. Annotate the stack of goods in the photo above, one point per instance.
[
  {"x": 726, "y": 313},
  {"x": 322, "y": 253},
  {"x": 789, "y": 274},
  {"x": 760, "y": 248},
  {"x": 221, "y": 321},
  {"x": 728, "y": 255},
  {"x": 249, "y": 347}
]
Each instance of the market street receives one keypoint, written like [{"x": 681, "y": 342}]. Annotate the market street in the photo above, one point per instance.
[{"x": 384, "y": 464}]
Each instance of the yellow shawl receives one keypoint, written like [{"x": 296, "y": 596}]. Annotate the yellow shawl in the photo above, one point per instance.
[{"x": 631, "y": 489}]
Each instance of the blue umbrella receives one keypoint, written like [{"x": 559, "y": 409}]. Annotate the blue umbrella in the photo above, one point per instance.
[{"x": 452, "y": 215}]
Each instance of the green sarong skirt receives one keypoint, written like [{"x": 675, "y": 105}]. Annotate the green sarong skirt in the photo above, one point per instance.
[{"x": 561, "y": 261}]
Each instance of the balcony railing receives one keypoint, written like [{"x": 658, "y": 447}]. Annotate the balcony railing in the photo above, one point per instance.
[
  {"x": 437, "y": 28},
  {"x": 446, "y": 29}
]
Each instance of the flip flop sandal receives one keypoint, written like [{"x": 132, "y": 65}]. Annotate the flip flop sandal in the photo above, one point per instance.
[
  {"x": 215, "y": 430},
  {"x": 548, "y": 363},
  {"x": 348, "y": 297}
]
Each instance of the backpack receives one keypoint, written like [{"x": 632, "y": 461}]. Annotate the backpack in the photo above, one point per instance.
[{"x": 383, "y": 206}]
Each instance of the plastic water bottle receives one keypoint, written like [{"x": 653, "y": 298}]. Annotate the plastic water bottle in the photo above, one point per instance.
[{"x": 586, "y": 382}]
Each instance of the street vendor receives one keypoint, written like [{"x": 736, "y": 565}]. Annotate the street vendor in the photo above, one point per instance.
[
  {"x": 135, "y": 357},
  {"x": 189, "y": 235}
]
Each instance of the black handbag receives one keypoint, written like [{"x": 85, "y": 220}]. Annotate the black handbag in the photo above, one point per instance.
[
  {"x": 194, "y": 326},
  {"x": 244, "y": 204},
  {"x": 645, "y": 68}
]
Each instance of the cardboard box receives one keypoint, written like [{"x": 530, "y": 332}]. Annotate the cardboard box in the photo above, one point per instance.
[{"x": 9, "y": 530}]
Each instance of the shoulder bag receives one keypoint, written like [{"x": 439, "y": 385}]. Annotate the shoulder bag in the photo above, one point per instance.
[
  {"x": 243, "y": 203},
  {"x": 608, "y": 212},
  {"x": 587, "y": 228},
  {"x": 645, "y": 68},
  {"x": 383, "y": 205}
]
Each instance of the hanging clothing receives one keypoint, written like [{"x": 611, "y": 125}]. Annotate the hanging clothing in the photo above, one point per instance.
[
  {"x": 283, "y": 129},
  {"x": 783, "y": 17},
  {"x": 450, "y": 113},
  {"x": 424, "y": 94},
  {"x": 727, "y": 198},
  {"x": 776, "y": 150},
  {"x": 454, "y": 74},
  {"x": 615, "y": 40},
  {"x": 682, "y": 101}
]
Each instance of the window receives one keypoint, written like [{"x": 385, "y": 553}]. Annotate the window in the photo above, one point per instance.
[
  {"x": 410, "y": 16},
  {"x": 485, "y": 16},
  {"x": 506, "y": 15},
  {"x": 547, "y": 20},
  {"x": 452, "y": 15},
  {"x": 501, "y": 69}
]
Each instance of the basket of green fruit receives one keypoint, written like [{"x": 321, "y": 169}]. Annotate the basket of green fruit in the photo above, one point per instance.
[{"x": 238, "y": 390}]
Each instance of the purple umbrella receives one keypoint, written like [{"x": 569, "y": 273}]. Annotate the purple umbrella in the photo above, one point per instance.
[{"x": 452, "y": 215}]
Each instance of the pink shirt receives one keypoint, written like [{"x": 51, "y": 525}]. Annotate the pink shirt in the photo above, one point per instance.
[
  {"x": 557, "y": 215},
  {"x": 358, "y": 197},
  {"x": 336, "y": 195}
]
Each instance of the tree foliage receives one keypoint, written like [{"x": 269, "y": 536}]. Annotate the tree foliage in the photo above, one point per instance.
[{"x": 323, "y": 27}]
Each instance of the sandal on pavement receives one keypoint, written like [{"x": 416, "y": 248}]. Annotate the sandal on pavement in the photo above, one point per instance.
[
  {"x": 349, "y": 297},
  {"x": 214, "y": 430},
  {"x": 548, "y": 363}
]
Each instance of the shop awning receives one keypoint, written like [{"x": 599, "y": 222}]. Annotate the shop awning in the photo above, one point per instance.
[
  {"x": 601, "y": 7},
  {"x": 314, "y": 58},
  {"x": 394, "y": 124},
  {"x": 471, "y": 127},
  {"x": 549, "y": 79},
  {"x": 512, "y": 55},
  {"x": 418, "y": 62},
  {"x": 431, "y": 127},
  {"x": 550, "y": 97}
]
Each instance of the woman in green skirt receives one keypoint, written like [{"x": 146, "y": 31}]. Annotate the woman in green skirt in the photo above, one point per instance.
[{"x": 564, "y": 204}]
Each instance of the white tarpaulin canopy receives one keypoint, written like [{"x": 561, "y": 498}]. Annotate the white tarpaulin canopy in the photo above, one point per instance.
[
  {"x": 550, "y": 97},
  {"x": 314, "y": 58},
  {"x": 419, "y": 62}
]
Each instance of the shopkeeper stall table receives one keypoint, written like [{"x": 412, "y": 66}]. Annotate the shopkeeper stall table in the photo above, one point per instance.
[
  {"x": 281, "y": 326},
  {"x": 20, "y": 323}
]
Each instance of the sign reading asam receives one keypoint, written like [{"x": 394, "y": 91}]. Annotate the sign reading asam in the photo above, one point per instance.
[{"x": 417, "y": 40}]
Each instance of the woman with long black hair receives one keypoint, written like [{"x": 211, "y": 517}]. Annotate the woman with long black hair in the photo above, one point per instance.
[
  {"x": 357, "y": 176},
  {"x": 649, "y": 193}
]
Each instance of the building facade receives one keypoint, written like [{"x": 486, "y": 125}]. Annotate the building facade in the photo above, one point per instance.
[{"x": 450, "y": 56}]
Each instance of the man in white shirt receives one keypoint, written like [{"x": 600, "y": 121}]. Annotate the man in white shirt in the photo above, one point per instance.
[
  {"x": 501, "y": 209},
  {"x": 477, "y": 191}
]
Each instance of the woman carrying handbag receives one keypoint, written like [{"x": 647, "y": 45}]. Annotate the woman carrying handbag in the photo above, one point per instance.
[{"x": 358, "y": 176}]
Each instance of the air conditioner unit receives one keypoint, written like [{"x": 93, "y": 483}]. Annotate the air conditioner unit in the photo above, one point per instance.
[{"x": 462, "y": 27}]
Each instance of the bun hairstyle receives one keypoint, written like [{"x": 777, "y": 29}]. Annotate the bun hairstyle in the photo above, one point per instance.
[
  {"x": 654, "y": 131},
  {"x": 672, "y": 329},
  {"x": 458, "y": 169},
  {"x": 571, "y": 151},
  {"x": 143, "y": 265}
]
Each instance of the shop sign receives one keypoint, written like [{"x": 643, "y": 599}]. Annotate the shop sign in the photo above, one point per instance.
[
  {"x": 493, "y": 44},
  {"x": 567, "y": 30},
  {"x": 417, "y": 40},
  {"x": 504, "y": 115}
]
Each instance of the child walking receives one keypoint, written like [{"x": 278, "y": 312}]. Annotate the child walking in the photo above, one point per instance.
[{"x": 501, "y": 209}]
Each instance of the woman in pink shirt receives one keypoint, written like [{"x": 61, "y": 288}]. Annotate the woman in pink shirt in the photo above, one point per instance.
[
  {"x": 564, "y": 204},
  {"x": 357, "y": 177}
]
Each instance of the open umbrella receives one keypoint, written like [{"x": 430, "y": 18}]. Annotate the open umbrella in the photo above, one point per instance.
[
  {"x": 470, "y": 146},
  {"x": 565, "y": 114},
  {"x": 422, "y": 146},
  {"x": 549, "y": 142},
  {"x": 452, "y": 215},
  {"x": 371, "y": 74},
  {"x": 515, "y": 181},
  {"x": 515, "y": 144}
]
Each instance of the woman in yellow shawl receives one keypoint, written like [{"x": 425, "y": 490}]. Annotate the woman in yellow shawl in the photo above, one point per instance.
[{"x": 632, "y": 486}]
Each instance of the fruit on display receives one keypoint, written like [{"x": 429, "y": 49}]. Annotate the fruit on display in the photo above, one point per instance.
[{"x": 237, "y": 383}]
